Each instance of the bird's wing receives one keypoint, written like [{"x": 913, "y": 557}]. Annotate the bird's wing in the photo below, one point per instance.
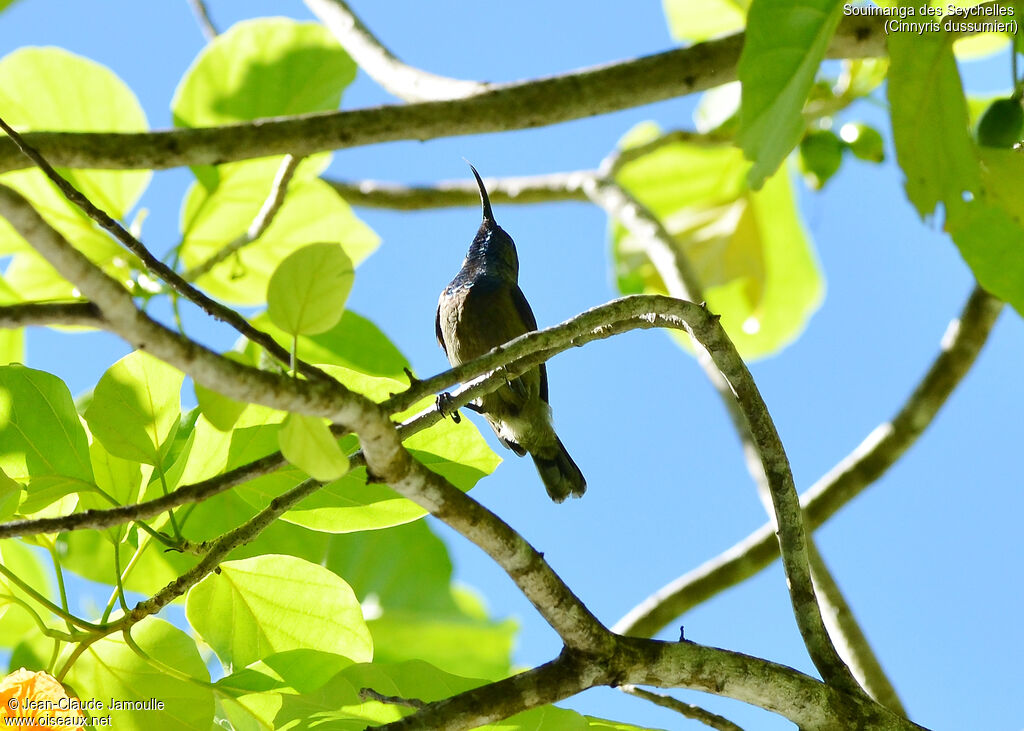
[
  {"x": 523, "y": 308},
  {"x": 437, "y": 328}
]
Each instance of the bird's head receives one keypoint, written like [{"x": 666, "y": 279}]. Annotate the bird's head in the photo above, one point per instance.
[{"x": 492, "y": 247}]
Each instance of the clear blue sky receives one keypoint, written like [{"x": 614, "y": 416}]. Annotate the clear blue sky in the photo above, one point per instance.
[{"x": 929, "y": 557}]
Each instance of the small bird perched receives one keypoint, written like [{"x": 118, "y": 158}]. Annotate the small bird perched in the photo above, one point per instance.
[{"x": 483, "y": 308}]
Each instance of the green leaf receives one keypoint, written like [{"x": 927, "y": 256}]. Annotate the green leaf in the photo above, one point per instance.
[
  {"x": 419, "y": 582},
  {"x": 456, "y": 451},
  {"x": 462, "y": 645},
  {"x": 135, "y": 407},
  {"x": 929, "y": 122},
  {"x": 258, "y": 606},
  {"x": 52, "y": 89},
  {"x": 307, "y": 442},
  {"x": 785, "y": 43},
  {"x": 698, "y": 20},
  {"x": 1001, "y": 124},
  {"x": 10, "y": 496},
  {"x": 864, "y": 141},
  {"x": 821, "y": 154},
  {"x": 989, "y": 230},
  {"x": 307, "y": 292},
  {"x": 312, "y": 212},
  {"x": 120, "y": 479},
  {"x": 41, "y": 439},
  {"x": 266, "y": 67},
  {"x": 12, "y": 340},
  {"x": 413, "y": 679},
  {"x": 15, "y": 621},
  {"x": 219, "y": 410},
  {"x": 110, "y": 669},
  {"x": 355, "y": 343},
  {"x": 90, "y": 554},
  {"x": 749, "y": 249}
]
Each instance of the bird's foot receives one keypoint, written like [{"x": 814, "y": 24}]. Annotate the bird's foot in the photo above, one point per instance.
[{"x": 444, "y": 407}]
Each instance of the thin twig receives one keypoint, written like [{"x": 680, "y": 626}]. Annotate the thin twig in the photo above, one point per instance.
[
  {"x": 203, "y": 19},
  {"x": 369, "y": 694},
  {"x": 964, "y": 339},
  {"x": 404, "y": 81},
  {"x": 156, "y": 267},
  {"x": 688, "y": 710},
  {"x": 259, "y": 225}
]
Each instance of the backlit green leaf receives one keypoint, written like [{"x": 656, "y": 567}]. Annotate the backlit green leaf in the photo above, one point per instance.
[
  {"x": 929, "y": 123},
  {"x": 42, "y": 442},
  {"x": 312, "y": 212},
  {"x": 52, "y": 89},
  {"x": 110, "y": 669},
  {"x": 266, "y": 67},
  {"x": 307, "y": 442},
  {"x": 135, "y": 406},
  {"x": 698, "y": 20},
  {"x": 355, "y": 343},
  {"x": 15, "y": 621},
  {"x": 259, "y": 606},
  {"x": 221, "y": 411},
  {"x": 748, "y": 249},
  {"x": 307, "y": 292}
]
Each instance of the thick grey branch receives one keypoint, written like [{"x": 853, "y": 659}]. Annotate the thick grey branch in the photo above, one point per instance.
[
  {"x": 404, "y": 81},
  {"x": 809, "y": 703},
  {"x": 880, "y": 450},
  {"x": 516, "y": 105}
]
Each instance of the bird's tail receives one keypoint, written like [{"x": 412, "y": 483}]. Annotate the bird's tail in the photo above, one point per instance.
[{"x": 559, "y": 473}]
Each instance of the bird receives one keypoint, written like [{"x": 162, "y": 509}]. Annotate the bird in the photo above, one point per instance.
[{"x": 482, "y": 308}]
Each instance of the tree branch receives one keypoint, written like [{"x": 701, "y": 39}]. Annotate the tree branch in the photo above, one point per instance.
[
  {"x": 675, "y": 269},
  {"x": 406, "y": 82},
  {"x": 203, "y": 19},
  {"x": 809, "y": 703},
  {"x": 964, "y": 339},
  {"x": 98, "y": 519},
  {"x": 765, "y": 456},
  {"x": 447, "y": 194},
  {"x": 515, "y": 105},
  {"x": 46, "y": 314}
]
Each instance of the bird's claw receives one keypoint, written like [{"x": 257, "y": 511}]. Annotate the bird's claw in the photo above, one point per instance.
[{"x": 444, "y": 407}]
